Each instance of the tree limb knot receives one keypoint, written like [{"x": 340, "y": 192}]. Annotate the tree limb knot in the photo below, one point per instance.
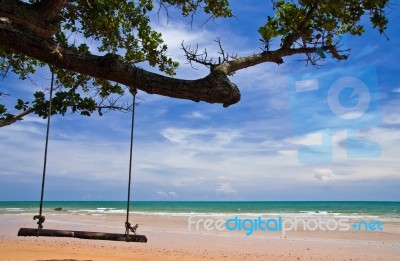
[{"x": 57, "y": 51}]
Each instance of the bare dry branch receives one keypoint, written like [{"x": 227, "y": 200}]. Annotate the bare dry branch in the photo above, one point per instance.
[
  {"x": 226, "y": 57},
  {"x": 193, "y": 55}
]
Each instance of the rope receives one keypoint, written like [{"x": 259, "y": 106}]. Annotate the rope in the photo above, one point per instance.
[
  {"x": 41, "y": 218},
  {"x": 128, "y": 226}
]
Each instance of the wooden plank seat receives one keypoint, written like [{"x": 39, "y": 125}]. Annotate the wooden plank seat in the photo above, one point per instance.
[{"x": 33, "y": 232}]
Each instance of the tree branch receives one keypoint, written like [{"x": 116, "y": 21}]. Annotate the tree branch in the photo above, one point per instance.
[
  {"x": 15, "y": 118},
  {"x": 193, "y": 55},
  {"x": 291, "y": 38},
  {"x": 50, "y": 9},
  {"x": 214, "y": 88},
  {"x": 40, "y": 17},
  {"x": 273, "y": 56}
]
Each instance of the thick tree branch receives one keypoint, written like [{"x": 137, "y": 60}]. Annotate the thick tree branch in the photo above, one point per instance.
[
  {"x": 215, "y": 88},
  {"x": 15, "y": 118},
  {"x": 273, "y": 56},
  {"x": 50, "y": 9},
  {"x": 40, "y": 18}
]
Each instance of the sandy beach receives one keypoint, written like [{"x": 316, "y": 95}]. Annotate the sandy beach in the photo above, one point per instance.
[{"x": 170, "y": 239}]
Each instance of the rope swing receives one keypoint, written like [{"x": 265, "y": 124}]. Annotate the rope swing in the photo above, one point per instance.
[
  {"x": 83, "y": 234},
  {"x": 128, "y": 226},
  {"x": 40, "y": 217}
]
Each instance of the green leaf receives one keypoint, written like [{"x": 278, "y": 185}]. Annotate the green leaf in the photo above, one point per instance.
[{"x": 3, "y": 109}]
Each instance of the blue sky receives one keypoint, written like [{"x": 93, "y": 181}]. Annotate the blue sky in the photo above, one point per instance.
[{"x": 292, "y": 136}]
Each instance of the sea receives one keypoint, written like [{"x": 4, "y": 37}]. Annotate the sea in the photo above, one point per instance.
[{"x": 347, "y": 209}]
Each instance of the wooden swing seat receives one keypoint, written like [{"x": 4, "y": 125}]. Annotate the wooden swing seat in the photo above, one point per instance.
[{"x": 33, "y": 232}]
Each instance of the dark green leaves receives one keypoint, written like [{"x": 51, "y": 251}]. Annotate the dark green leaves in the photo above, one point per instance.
[
  {"x": 121, "y": 27},
  {"x": 3, "y": 113},
  {"x": 329, "y": 20},
  {"x": 217, "y": 8},
  {"x": 17, "y": 63},
  {"x": 21, "y": 105},
  {"x": 62, "y": 101}
]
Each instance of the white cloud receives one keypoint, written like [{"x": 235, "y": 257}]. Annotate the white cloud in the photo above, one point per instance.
[
  {"x": 166, "y": 195},
  {"x": 191, "y": 137},
  {"x": 313, "y": 138},
  {"x": 392, "y": 118},
  {"x": 196, "y": 115},
  {"x": 323, "y": 174},
  {"x": 34, "y": 119},
  {"x": 287, "y": 152},
  {"x": 176, "y": 135},
  {"x": 189, "y": 181},
  {"x": 263, "y": 85},
  {"x": 79, "y": 156},
  {"x": 390, "y": 113},
  {"x": 213, "y": 161},
  {"x": 225, "y": 189}
]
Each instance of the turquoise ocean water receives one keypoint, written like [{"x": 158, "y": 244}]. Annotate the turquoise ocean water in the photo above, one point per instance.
[{"x": 351, "y": 209}]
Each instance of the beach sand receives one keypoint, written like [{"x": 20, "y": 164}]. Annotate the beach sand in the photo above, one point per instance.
[{"x": 170, "y": 239}]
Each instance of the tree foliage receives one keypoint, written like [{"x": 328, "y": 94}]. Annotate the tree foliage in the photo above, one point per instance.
[{"x": 49, "y": 33}]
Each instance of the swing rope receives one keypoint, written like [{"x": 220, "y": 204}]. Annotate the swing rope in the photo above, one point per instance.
[
  {"x": 41, "y": 218},
  {"x": 128, "y": 226}
]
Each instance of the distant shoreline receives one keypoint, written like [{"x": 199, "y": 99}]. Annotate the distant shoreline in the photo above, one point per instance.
[{"x": 346, "y": 209}]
